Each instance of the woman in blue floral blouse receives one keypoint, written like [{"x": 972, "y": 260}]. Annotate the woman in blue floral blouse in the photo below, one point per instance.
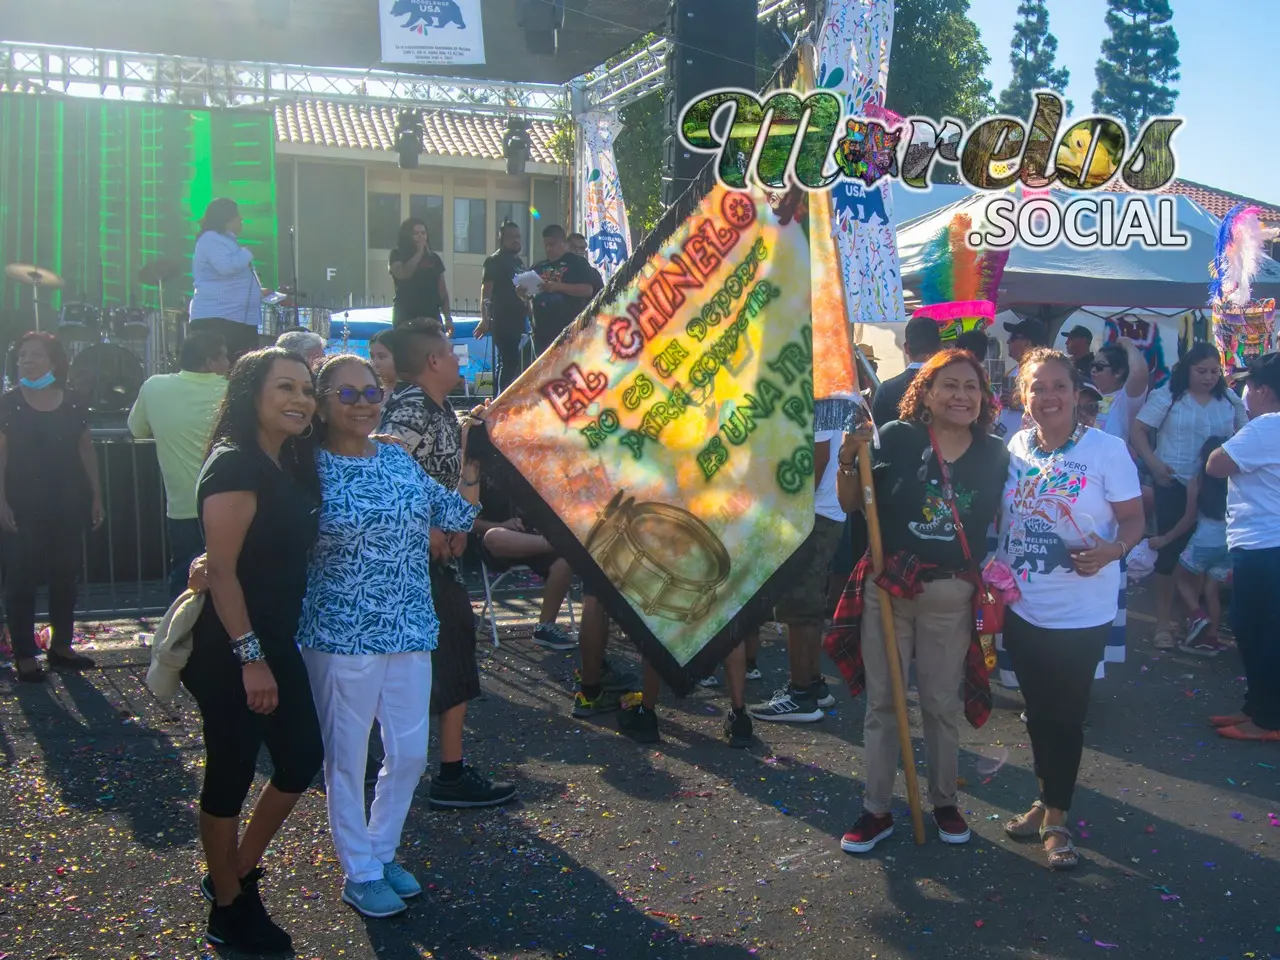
[{"x": 368, "y": 626}]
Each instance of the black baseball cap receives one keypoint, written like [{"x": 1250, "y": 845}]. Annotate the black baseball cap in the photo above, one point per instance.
[
  {"x": 1032, "y": 330},
  {"x": 1079, "y": 332},
  {"x": 1264, "y": 371},
  {"x": 1090, "y": 389}
]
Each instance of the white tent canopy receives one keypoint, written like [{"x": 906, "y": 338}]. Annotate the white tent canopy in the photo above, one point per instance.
[{"x": 1064, "y": 276}]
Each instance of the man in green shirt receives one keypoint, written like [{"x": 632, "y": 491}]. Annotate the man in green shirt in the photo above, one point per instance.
[{"x": 178, "y": 410}]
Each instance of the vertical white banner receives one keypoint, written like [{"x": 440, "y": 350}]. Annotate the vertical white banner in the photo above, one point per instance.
[
  {"x": 853, "y": 63},
  {"x": 604, "y": 216},
  {"x": 431, "y": 31}
]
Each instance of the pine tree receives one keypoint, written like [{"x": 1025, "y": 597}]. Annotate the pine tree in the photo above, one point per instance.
[
  {"x": 1032, "y": 56},
  {"x": 1139, "y": 62}
]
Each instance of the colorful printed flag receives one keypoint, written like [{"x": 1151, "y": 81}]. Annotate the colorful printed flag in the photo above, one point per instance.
[
  {"x": 608, "y": 235},
  {"x": 853, "y": 62}
]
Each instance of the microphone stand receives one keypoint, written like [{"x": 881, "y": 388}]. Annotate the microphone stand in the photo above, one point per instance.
[{"x": 293, "y": 255}]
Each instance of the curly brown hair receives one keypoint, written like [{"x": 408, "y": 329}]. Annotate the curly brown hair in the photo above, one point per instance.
[{"x": 912, "y": 406}]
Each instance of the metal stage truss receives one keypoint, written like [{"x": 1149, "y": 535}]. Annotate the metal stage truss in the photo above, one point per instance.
[{"x": 196, "y": 82}]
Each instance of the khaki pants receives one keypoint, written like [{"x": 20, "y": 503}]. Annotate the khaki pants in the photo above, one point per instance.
[{"x": 935, "y": 628}]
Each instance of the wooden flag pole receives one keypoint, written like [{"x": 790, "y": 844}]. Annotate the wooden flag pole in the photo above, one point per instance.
[{"x": 872, "y": 514}]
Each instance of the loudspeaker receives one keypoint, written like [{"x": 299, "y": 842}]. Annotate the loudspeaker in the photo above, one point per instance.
[
  {"x": 541, "y": 21},
  {"x": 712, "y": 45}
]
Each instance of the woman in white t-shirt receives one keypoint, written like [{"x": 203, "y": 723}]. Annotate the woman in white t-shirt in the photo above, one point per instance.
[
  {"x": 1192, "y": 407},
  {"x": 1120, "y": 373},
  {"x": 1071, "y": 508},
  {"x": 1251, "y": 462}
]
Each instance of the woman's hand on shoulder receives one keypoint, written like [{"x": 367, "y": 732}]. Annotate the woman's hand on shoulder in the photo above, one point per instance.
[
  {"x": 390, "y": 440},
  {"x": 198, "y": 574}
]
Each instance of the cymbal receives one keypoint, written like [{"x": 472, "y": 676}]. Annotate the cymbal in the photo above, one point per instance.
[
  {"x": 158, "y": 271},
  {"x": 32, "y": 276}
]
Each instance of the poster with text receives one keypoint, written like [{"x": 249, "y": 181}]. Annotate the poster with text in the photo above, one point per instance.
[
  {"x": 664, "y": 443},
  {"x": 431, "y": 32}
]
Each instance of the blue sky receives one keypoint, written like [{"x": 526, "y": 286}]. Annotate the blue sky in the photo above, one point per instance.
[{"x": 1231, "y": 138}]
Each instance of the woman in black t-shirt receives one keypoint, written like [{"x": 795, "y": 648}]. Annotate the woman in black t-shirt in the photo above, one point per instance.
[
  {"x": 49, "y": 496},
  {"x": 418, "y": 271},
  {"x": 259, "y": 501},
  {"x": 935, "y": 462}
]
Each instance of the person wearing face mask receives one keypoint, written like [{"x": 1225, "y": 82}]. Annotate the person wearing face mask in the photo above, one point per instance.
[
  {"x": 1251, "y": 463},
  {"x": 49, "y": 496},
  {"x": 1072, "y": 507},
  {"x": 368, "y": 627},
  {"x": 227, "y": 301},
  {"x": 938, "y": 475},
  {"x": 1192, "y": 407},
  {"x": 258, "y": 497}
]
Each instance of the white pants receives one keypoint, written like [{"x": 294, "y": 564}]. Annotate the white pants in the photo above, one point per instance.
[{"x": 349, "y": 692}]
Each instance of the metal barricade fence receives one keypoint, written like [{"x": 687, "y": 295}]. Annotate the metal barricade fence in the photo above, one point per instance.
[{"x": 125, "y": 568}]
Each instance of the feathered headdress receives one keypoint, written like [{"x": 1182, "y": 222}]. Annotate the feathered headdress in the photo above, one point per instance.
[
  {"x": 1238, "y": 257},
  {"x": 959, "y": 286}
]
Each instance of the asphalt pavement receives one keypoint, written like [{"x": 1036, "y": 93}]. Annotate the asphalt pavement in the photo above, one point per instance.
[{"x": 686, "y": 849}]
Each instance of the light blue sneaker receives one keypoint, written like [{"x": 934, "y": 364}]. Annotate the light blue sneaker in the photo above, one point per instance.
[
  {"x": 373, "y": 898},
  {"x": 404, "y": 883}
]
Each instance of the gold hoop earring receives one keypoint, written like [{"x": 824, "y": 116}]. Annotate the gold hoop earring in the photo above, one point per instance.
[{"x": 311, "y": 428}]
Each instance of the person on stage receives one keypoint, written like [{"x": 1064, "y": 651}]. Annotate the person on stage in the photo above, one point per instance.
[
  {"x": 49, "y": 497},
  {"x": 1072, "y": 507},
  {"x": 421, "y": 292},
  {"x": 502, "y": 312},
  {"x": 228, "y": 295}
]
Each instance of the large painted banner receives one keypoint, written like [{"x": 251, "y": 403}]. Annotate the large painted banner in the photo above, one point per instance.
[
  {"x": 664, "y": 444},
  {"x": 608, "y": 236},
  {"x": 853, "y": 62},
  {"x": 431, "y": 32}
]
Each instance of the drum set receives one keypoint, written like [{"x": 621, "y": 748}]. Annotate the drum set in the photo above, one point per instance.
[{"x": 113, "y": 349}]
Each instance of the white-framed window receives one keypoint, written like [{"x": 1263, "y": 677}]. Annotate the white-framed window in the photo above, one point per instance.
[{"x": 470, "y": 230}]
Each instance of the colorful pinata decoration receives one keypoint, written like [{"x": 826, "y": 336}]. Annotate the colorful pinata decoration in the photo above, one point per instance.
[
  {"x": 959, "y": 285},
  {"x": 1243, "y": 327}
]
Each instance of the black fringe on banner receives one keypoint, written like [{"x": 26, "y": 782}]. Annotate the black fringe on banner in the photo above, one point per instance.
[
  {"x": 507, "y": 477},
  {"x": 752, "y": 615}
]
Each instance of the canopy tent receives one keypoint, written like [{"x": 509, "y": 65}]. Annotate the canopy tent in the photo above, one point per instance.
[{"x": 1062, "y": 276}]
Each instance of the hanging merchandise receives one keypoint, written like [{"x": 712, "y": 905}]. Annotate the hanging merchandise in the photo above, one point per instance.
[{"x": 1243, "y": 327}]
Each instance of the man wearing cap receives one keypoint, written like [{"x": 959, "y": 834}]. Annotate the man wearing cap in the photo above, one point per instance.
[
  {"x": 1251, "y": 463},
  {"x": 921, "y": 341},
  {"x": 1079, "y": 340},
  {"x": 1024, "y": 336}
]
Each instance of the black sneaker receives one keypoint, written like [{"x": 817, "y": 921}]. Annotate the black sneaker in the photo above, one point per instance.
[
  {"x": 470, "y": 790},
  {"x": 248, "y": 884},
  {"x": 788, "y": 706},
  {"x": 554, "y": 637},
  {"x": 737, "y": 727},
  {"x": 822, "y": 693},
  {"x": 68, "y": 660},
  {"x": 639, "y": 724},
  {"x": 244, "y": 925},
  {"x": 614, "y": 681}
]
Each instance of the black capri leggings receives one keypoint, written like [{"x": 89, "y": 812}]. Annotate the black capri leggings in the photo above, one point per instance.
[
  {"x": 1171, "y": 504},
  {"x": 1055, "y": 671},
  {"x": 233, "y": 734}
]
